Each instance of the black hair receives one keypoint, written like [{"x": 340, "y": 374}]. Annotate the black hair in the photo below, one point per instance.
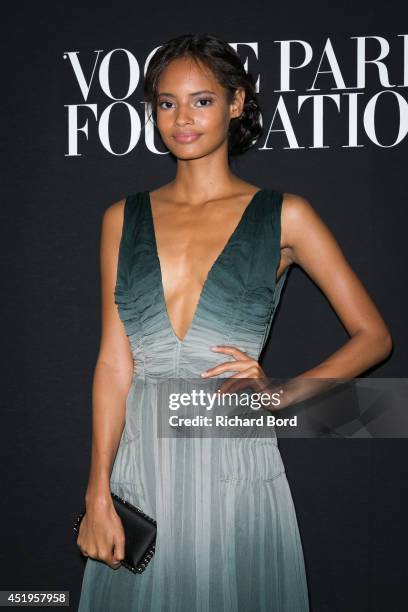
[{"x": 228, "y": 70}]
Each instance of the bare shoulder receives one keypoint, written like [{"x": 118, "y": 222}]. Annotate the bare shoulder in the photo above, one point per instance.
[
  {"x": 112, "y": 221},
  {"x": 111, "y": 233},
  {"x": 296, "y": 208},
  {"x": 113, "y": 215},
  {"x": 305, "y": 234},
  {"x": 297, "y": 214}
]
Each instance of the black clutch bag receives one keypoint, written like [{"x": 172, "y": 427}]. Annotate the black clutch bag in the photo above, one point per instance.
[{"x": 140, "y": 534}]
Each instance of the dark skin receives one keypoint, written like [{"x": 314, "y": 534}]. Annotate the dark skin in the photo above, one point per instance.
[{"x": 194, "y": 215}]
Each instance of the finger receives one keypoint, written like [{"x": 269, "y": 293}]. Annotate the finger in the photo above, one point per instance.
[
  {"x": 252, "y": 374},
  {"x": 113, "y": 561},
  {"x": 242, "y": 380},
  {"x": 115, "y": 564},
  {"x": 230, "y": 350},
  {"x": 227, "y": 366},
  {"x": 119, "y": 550},
  {"x": 250, "y": 378},
  {"x": 235, "y": 383}
]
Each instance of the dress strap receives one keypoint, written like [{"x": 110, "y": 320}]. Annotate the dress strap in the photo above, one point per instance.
[
  {"x": 276, "y": 216},
  {"x": 130, "y": 243},
  {"x": 277, "y": 200},
  {"x": 273, "y": 219},
  {"x": 132, "y": 214}
]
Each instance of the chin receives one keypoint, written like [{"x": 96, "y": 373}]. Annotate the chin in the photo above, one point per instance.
[
  {"x": 190, "y": 156},
  {"x": 194, "y": 150}
]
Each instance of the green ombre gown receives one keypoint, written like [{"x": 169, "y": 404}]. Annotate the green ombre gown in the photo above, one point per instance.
[{"x": 227, "y": 532}]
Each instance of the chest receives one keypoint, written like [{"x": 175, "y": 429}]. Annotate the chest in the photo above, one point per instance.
[{"x": 190, "y": 242}]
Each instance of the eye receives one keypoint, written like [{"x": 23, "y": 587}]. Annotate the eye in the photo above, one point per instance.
[
  {"x": 205, "y": 100},
  {"x": 164, "y": 102},
  {"x": 209, "y": 100}
]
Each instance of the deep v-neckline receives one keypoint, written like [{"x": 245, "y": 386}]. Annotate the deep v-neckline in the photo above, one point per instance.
[{"x": 209, "y": 273}]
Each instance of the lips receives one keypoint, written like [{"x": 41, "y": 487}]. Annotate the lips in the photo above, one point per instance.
[{"x": 186, "y": 136}]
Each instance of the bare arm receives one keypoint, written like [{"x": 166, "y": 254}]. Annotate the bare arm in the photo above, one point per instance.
[
  {"x": 101, "y": 534},
  {"x": 307, "y": 241},
  {"x": 114, "y": 366},
  {"x": 313, "y": 247}
]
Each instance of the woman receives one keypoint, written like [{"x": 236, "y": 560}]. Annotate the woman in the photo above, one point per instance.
[{"x": 200, "y": 262}]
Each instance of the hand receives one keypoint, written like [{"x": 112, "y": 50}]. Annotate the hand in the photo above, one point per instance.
[
  {"x": 101, "y": 534},
  {"x": 245, "y": 366}
]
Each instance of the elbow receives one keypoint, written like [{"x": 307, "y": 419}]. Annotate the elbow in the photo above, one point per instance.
[
  {"x": 383, "y": 344},
  {"x": 378, "y": 343},
  {"x": 387, "y": 344}
]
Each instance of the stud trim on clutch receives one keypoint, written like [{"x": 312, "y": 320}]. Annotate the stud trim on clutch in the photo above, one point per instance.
[{"x": 140, "y": 567}]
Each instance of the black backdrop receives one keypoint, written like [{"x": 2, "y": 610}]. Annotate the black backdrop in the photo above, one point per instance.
[{"x": 349, "y": 494}]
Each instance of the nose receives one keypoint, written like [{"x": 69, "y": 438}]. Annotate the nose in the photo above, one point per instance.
[{"x": 183, "y": 115}]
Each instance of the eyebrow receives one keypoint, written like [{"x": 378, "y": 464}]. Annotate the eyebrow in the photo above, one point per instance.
[{"x": 195, "y": 93}]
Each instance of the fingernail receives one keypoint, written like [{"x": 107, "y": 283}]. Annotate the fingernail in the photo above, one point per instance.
[
  {"x": 214, "y": 348},
  {"x": 204, "y": 374}
]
